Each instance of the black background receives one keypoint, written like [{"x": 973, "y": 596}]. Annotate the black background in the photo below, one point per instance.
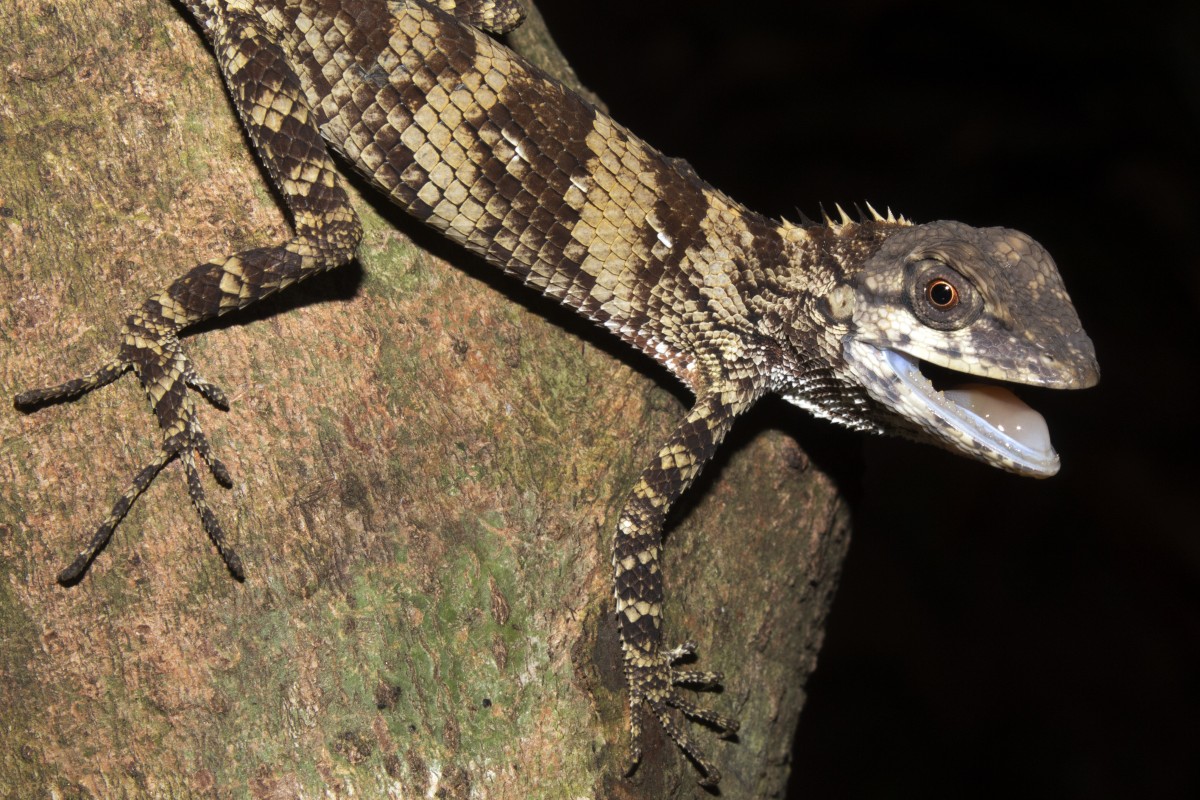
[{"x": 993, "y": 636}]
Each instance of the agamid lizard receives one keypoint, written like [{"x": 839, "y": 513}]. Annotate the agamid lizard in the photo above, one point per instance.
[{"x": 840, "y": 318}]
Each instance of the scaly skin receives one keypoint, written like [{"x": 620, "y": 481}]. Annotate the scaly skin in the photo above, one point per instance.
[{"x": 464, "y": 135}]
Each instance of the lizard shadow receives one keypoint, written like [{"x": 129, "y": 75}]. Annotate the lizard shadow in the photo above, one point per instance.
[
  {"x": 515, "y": 291},
  {"x": 838, "y": 453},
  {"x": 821, "y": 445},
  {"x": 336, "y": 285}
]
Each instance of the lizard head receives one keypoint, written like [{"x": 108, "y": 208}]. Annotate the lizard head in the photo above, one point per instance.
[{"x": 947, "y": 302}]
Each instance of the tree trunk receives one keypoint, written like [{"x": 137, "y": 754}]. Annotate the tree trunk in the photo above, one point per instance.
[{"x": 428, "y": 465}]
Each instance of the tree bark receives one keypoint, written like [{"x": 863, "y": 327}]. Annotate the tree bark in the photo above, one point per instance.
[{"x": 428, "y": 460}]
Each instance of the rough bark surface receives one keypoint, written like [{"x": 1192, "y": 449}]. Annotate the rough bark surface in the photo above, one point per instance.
[{"x": 428, "y": 466}]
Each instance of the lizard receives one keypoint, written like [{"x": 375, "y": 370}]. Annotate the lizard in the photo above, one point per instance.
[{"x": 851, "y": 320}]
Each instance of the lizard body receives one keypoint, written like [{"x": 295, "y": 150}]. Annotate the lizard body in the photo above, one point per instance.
[{"x": 467, "y": 137}]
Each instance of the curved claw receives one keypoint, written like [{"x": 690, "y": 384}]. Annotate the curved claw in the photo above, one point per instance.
[
  {"x": 153, "y": 352},
  {"x": 712, "y": 775},
  {"x": 119, "y": 509},
  {"x": 652, "y": 685},
  {"x": 211, "y": 392},
  {"x": 138, "y": 485},
  {"x": 207, "y": 517},
  {"x": 726, "y": 725},
  {"x": 218, "y": 469},
  {"x": 107, "y": 373}
]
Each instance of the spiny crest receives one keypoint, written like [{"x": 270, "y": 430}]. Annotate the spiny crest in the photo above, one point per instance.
[
  {"x": 875, "y": 215},
  {"x": 845, "y": 222}
]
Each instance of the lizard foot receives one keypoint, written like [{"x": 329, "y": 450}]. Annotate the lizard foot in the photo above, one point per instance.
[
  {"x": 653, "y": 681},
  {"x": 166, "y": 374}
]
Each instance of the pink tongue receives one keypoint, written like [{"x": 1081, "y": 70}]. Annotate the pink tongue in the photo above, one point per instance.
[{"x": 1002, "y": 410}]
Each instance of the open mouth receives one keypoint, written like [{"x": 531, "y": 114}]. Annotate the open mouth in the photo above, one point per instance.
[{"x": 987, "y": 415}]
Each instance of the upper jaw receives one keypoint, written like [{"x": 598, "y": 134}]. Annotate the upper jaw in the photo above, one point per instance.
[
  {"x": 1069, "y": 363},
  {"x": 988, "y": 423}
]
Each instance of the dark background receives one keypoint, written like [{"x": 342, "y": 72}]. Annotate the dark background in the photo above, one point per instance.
[{"x": 993, "y": 636}]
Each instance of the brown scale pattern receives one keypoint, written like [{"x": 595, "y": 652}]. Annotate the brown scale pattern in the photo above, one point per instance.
[{"x": 467, "y": 137}]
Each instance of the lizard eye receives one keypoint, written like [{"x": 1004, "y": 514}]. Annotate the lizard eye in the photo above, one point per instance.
[{"x": 941, "y": 294}]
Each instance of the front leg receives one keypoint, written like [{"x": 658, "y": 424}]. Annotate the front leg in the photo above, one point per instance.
[
  {"x": 277, "y": 116},
  {"x": 650, "y": 672}
]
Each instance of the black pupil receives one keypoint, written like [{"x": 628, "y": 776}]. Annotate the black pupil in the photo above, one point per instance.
[{"x": 941, "y": 293}]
